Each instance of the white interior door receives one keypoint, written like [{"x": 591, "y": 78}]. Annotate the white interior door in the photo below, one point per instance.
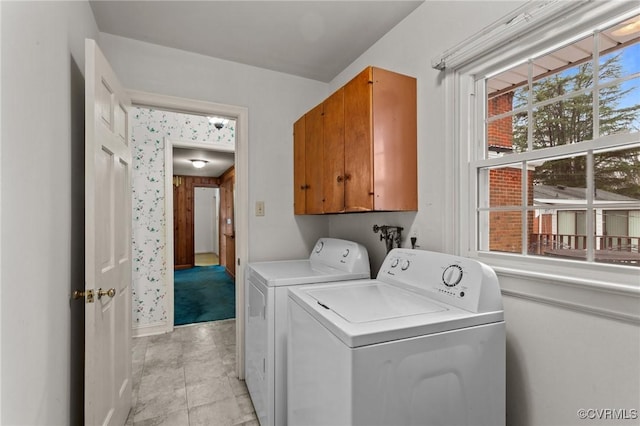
[{"x": 108, "y": 244}]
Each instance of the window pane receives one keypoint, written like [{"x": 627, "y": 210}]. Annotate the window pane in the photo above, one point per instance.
[
  {"x": 505, "y": 231},
  {"x": 620, "y": 107},
  {"x": 500, "y": 136},
  {"x": 505, "y": 186},
  {"x": 507, "y": 91},
  {"x": 563, "y": 71},
  {"x": 617, "y": 238},
  {"x": 617, "y": 176},
  {"x": 620, "y": 63},
  {"x": 634, "y": 223},
  {"x": 520, "y": 132},
  {"x": 558, "y": 181},
  {"x": 564, "y": 122},
  {"x": 559, "y": 233},
  {"x": 620, "y": 50}
]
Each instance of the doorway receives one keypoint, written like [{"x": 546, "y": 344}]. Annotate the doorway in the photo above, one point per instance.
[
  {"x": 202, "y": 293},
  {"x": 206, "y": 227},
  {"x": 240, "y": 213}
]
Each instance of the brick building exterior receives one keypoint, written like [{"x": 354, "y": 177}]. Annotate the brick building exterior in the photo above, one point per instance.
[{"x": 505, "y": 184}]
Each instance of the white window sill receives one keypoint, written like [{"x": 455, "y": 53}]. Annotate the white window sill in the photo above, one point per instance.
[{"x": 609, "y": 291}]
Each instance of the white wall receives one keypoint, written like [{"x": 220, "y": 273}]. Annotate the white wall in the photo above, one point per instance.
[
  {"x": 558, "y": 360},
  {"x": 275, "y": 100},
  {"x": 42, "y": 210},
  {"x": 204, "y": 219}
]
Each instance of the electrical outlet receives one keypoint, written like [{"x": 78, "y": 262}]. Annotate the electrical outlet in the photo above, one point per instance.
[{"x": 259, "y": 208}]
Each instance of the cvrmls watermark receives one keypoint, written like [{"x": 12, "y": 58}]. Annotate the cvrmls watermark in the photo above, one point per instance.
[{"x": 608, "y": 413}]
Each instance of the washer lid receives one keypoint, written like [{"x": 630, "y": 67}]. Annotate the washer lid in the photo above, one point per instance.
[
  {"x": 294, "y": 272},
  {"x": 368, "y": 312},
  {"x": 373, "y": 301}
]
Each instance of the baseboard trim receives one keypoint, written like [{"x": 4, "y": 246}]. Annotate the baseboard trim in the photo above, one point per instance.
[{"x": 151, "y": 329}]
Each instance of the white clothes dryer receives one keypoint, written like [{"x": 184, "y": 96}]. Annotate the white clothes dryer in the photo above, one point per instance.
[
  {"x": 423, "y": 344},
  {"x": 266, "y": 288}
]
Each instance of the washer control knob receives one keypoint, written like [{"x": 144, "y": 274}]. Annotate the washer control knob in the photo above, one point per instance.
[
  {"x": 452, "y": 275},
  {"x": 395, "y": 262},
  {"x": 345, "y": 253},
  {"x": 319, "y": 246},
  {"x": 405, "y": 265}
]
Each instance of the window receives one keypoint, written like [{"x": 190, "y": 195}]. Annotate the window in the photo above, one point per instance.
[{"x": 557, "y": 165}]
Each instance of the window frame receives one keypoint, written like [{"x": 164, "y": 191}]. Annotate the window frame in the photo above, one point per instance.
[{"x": 465, "y": 117}]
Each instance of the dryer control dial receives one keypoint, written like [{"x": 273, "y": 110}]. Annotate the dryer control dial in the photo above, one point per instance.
[
  {"x": 395, "y": 262},
  {"x": 452, "y": 275},
  {"x": 405, "y": 265},
  {"x": 319, "y": 246},
  {"x": 345, "y": 253}
]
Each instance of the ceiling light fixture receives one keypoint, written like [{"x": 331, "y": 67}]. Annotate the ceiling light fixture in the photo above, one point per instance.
[
  {"x": 218, "y": 122},
  {"x": 198, "y": 164}
]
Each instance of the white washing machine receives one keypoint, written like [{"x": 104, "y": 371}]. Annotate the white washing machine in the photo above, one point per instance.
[
  {"x": 266, "y": 288},
  {"x": 423, "y": 344}
]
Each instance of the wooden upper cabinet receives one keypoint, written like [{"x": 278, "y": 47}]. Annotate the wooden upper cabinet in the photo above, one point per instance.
[
  {"x": 333, "y": 149},
  {"x": 358, "y": 155},
  {"x": 299, "y": 181},
  {"x": 395, "y": 149},
  {"x": 364, "y": 136},
  {"x": 313, "y": 162}
]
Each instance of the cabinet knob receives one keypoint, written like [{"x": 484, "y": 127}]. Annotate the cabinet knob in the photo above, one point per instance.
[
  {"x": 339, "y": 179},
  {"x": 347, "y": 176}
]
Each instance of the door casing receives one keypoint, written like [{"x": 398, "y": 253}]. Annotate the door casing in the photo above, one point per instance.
[{"x": 241, "y": 115}]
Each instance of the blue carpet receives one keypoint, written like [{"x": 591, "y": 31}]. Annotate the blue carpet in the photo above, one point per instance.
[{"x": 203, "y": 293}]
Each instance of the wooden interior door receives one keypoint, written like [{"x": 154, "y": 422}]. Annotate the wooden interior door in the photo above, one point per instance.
[
  {"x": 183, "y": 218},
  {"x": 107, "y": 291},
  {"x": 358, "y": 151},
  {"x": 333, "y": 153},
  {"x": 227, "y": 222}
]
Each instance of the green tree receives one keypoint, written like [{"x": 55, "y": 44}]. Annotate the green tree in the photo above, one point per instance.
[{"x": 571, "y": 120}]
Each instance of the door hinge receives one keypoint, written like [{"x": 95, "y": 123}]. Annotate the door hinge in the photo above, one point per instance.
[{"x": 238, "y": 261}]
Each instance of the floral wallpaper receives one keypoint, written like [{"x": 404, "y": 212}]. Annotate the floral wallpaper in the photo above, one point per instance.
[{"x": 149, "y": 128}]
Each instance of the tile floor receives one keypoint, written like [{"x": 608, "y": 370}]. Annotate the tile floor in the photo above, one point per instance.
[{"x": 188, "y": 378}]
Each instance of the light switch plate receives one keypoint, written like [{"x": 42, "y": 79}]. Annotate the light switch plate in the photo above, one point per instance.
[{"x": 259, "y": 208}]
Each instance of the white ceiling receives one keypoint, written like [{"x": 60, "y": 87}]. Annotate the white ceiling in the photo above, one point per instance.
[{"x": 312, "y": 39}]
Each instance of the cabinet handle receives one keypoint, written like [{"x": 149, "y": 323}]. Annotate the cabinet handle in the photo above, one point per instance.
[
  {"x": 302, "y": 187},
  {"x": 339, "y": 179}
]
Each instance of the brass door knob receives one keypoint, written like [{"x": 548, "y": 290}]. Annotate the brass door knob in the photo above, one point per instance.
[{"x": 111, "y": 292}]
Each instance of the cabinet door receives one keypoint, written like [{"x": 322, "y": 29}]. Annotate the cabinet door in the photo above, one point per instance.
[
  {"x": 333, "y": 148},
  {"x": 314, "y": 160},
  {"x": 395, "y": 171},
  {"x": 299, "y": 188},
  {"x": 358, "y": 151}
]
